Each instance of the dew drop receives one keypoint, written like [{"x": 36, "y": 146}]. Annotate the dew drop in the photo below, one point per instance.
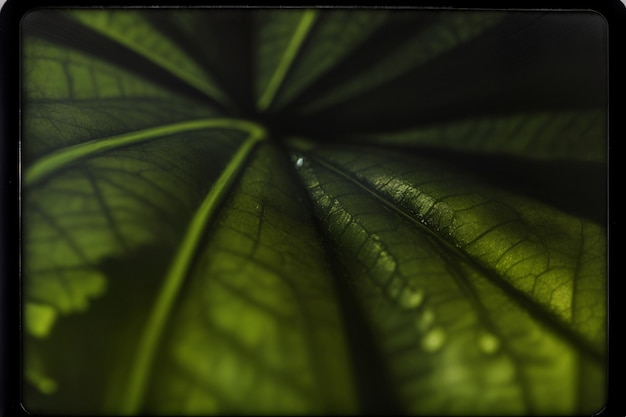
[
  {"x": 434, "y": 340},
  {"x": 411, "y": 298},
  {"x": 489, "y": 344},
  {"x": 298, "y": 160}
]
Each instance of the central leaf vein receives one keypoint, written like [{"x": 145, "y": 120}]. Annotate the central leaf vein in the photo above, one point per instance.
[
  {"x": 518, "y": 296},
  {"x": 178, "y": 270},
  {"x": 56, "y": 161},
  {"x": 296, "y": 42}
]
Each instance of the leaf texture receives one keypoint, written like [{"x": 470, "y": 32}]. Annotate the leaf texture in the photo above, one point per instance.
[
  {"x": 440, "y": 310},
  {"x": 281, "y": 36},
  {"x": 66, "y": 91},
  {"x": 332, "y": 38},
  {"x": 563, "y": 135},
  {"x": 131, "y": 29},
  {"x": 262, "y": 302},
  {"x": 446, "y": 32},
  {"x": 543, "y": 253},
  {"x": 313, "y": 211},
  {"x": 111, "y": 204}
]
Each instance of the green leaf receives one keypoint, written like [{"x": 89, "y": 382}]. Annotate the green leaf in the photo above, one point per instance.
[
  {"x": 72, "y": 97},
  {"x": 131, "y": 29},
  {"x": 107, "y": 205},
  {"x": 451, "y": 271},
  {"x": 331, "y": 37},
  {"x": 564, "y": 135},
  {"x": 280, "y": 37},
  {"x": 446, "y": 32},
  {"x": 179, "y": 269},
  {"x": 263, "y": 301},
  {"x": 312, "y": 211},
  {"x": 227, "y": 59}
]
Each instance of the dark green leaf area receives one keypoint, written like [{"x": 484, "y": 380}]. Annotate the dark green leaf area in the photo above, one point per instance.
[
  {"x": 556, "y": 136},
  {"x": 332, "y": 37},
  {"x": 255, "y": 299},
  {"x": 201, "y": 36},
  {"x": 72, "y": 98},
  {"x": 543, "y": 253},
  {"x": 438, "y": 316},
  {"x": 524, "y": 65},
  {"x": 405, "y": 43},
  {"x": 313, "y": 211},
  {"x": 107, "y": 341},
  {"x": 106, "y": 206}
]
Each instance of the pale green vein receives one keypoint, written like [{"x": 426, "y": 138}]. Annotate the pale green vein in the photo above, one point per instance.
[
  {"x": 179, "y": 268},
  {"x": 65, "y": 157},
  {"x": 298, "y": 38}
]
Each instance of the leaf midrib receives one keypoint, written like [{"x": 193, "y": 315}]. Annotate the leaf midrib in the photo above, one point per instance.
[
  {"x": 443, "y": 244},
  {"x": 299, "y": 36},
  {"x": 178, "y": 271},
  {"x": 65, "y": 157}
]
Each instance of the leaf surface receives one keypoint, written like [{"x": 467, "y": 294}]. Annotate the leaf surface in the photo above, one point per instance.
[
  {"x": 313, "y": 211},
  {"x": 110, "y": 204},
  {"x": 446, "y": 32},
  {"x": 281, "y": 36},
  {"x": 131, "y": 29},
  {"x": 534, "y": 247},
  {"x": 331, "y": 39},
  {"x": 72, "y": 98},
  {"x": 255, "y": 300},
  {"x": 462, "y": 304},
  {"x": 574, "y": 135}
]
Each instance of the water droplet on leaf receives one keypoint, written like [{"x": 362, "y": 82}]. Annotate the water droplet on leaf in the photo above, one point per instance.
[{"x": 298, "y": 160}]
